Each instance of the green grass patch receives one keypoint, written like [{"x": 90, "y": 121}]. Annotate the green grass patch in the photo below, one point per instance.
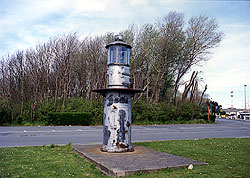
[
  {"x": 227, "y": 157},
  {"x": 46, "y": 161}
]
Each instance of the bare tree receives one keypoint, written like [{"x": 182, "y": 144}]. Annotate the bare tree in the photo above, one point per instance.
[
  {"x": 67, "y": 66},
  {"x": 200, "y": 37}
]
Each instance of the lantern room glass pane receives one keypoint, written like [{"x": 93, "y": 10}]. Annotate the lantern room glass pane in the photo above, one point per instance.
[
  {"x": 122, "y": 55},
  {"x": 112, "y": 56},
  {"x": 118, "y": 55},
  {"x": 128, "y": 56}
]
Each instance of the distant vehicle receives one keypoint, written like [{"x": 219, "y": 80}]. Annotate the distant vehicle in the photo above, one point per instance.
[{"x": 223, "y": 116}]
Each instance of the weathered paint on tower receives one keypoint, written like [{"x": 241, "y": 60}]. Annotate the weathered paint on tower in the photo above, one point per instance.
[
  {"x": 117, "y": 99},
  {"x": 117, "y": 122}
]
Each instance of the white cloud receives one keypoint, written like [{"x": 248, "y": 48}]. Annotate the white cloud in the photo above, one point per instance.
[
  {"x": 231, "y": 61},
  {"x": 89, "y": 6},
  {"x": 229, "y": 68},
  {"x": 28, "y": 22},
  {"x": 24, "y": 23}
]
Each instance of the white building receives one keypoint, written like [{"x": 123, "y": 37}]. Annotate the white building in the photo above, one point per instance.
[{"x": 233, "y": 113}]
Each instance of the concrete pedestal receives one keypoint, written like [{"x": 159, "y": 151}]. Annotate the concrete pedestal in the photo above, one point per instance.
[{"x": 141, "y": 160}]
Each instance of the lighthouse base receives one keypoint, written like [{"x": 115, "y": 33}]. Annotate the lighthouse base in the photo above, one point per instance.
[
  {"x": 117, "y": 122},
  {"x": 117, "y": 150},
  {"x": 141, "y": 160}
]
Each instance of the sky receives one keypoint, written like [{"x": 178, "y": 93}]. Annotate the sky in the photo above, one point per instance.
[{"x": 25, "y": 23}]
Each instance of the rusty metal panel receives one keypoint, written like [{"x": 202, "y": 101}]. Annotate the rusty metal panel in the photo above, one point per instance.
[
  {"x": 117, "y": 122},
  {"x": 118, "y": 76}
]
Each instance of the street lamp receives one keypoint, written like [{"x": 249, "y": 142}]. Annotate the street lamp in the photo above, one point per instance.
[{"x": 245, "y": 86}]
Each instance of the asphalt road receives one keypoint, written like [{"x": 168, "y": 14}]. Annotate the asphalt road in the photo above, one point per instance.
[{"x": 31, "y": 136}]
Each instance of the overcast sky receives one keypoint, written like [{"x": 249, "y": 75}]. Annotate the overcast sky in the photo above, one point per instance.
[{"x": 25, "y": 23}]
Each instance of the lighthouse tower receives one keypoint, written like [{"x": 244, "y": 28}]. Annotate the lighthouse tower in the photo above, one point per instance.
[{"x": 117, "y": 99}]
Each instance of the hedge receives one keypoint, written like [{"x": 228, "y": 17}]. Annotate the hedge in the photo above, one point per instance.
[
  {"x": 68, "y": 118},
  {"x": 212, "y": 117},
  {"x": 163, "y": 112}
]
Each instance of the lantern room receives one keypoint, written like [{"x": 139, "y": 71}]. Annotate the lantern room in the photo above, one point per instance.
[
  {"x": 118, "y": 51},
  {"x": 118, "y": 63}
]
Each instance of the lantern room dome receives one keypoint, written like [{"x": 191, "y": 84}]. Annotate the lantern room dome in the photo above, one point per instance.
[{"x": 118, "y": 41}]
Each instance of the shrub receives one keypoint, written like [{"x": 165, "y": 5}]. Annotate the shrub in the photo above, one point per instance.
[
  {"x": 5, "y": 113},
  {"x": 189, "y": 111},
  {"x": 162, "y": 112},
  {"x": 5, "y": 116},
  {"x": 75, "y": 105},
  {"x": 69, "y": 118},
  {"x": 97, "y": 115},
  {"x": 20, "y": 120},
  {"x": 212, "y": 118},
  {"x": 172, "y": 113},
  {"x": 46, "y": 108},
  {"x": 141, "y": 111},
  {"x": 159, "y": 112}
]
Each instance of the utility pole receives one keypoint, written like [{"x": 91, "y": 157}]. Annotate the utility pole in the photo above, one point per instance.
[
  {"x": 232, "y": 99},
  {"x": 245, "y": 86}
]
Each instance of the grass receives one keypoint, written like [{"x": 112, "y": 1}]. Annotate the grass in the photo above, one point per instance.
[
  {"x": 46, "y": 161},
  {"x": 227, "y": 157}
]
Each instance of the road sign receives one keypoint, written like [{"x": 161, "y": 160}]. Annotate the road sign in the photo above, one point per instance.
[{"x": 32, "y": 107}]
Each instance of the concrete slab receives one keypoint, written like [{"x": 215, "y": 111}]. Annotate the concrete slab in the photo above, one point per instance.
[{"x": 141, "y": 160}]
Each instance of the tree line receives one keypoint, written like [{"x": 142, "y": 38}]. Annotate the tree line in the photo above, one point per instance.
[{"x": 68, "y": 66}]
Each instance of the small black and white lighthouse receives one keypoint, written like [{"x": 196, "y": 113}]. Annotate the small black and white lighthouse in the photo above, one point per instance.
[{"x": 117, "y": 99}]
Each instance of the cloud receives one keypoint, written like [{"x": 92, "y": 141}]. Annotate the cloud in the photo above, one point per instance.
[
  {"x": 24, "y": 23},
  {"x": 231, "y": 60},
  {"x": 19, "y": 23},
  {"x": 229, "y": 68}
]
